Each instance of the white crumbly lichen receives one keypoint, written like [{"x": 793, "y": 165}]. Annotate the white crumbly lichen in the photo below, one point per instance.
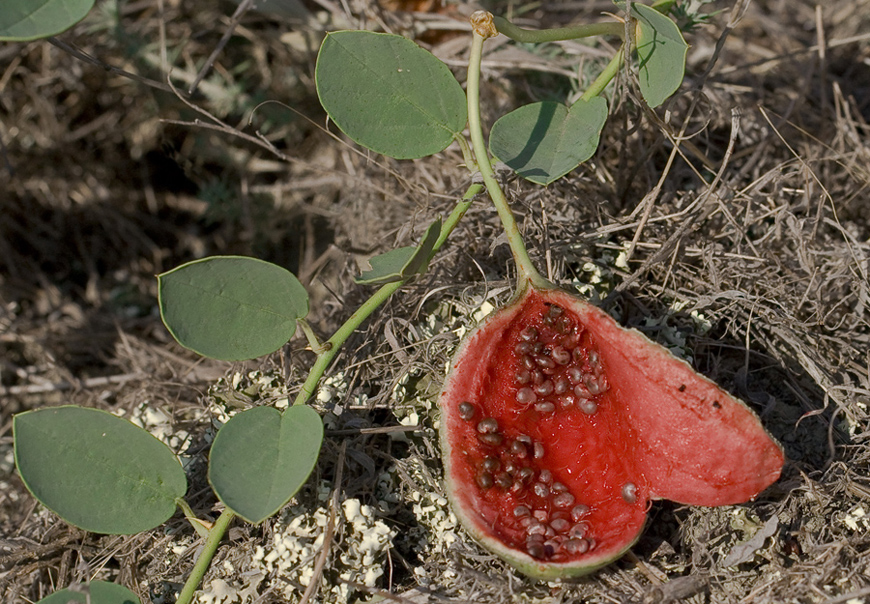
[{"x": 285, "y": 564}]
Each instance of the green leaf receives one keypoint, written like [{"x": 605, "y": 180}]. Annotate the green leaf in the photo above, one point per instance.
[
  {"x": 261, "y": 457},
  {"x": 661, "y": 52},
  {"x": 22, "y": 20},
  {"x": 388, "y": 94},
  {"x": 97, "y": 471},
  {"x": 403, "y": 262},
  {"x": 231, "y": 308},
  {"x": 101, "y": 592},
  {"x": 544, "y": 141}
]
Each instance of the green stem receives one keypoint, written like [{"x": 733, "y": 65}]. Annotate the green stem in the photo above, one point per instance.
[
  {"x": 526, "y": 270},
  {"x": 331, "y": 347},
  {"x": 215, "y": 534},
  {"x": 556, "y": 34},
  {"x": 606, "y": 76}
]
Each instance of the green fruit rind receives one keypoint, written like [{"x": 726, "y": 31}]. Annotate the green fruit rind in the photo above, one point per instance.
[{"x": 674, "y": 433}]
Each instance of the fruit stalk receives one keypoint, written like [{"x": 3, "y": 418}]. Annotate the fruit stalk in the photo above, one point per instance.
[{"x": 483, "y": 28}]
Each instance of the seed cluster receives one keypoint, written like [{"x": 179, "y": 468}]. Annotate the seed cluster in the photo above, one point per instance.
[{"x": 556, "y": 371}]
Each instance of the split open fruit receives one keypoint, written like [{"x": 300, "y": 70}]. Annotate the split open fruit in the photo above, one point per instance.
[{"x": 559, "y": 427}]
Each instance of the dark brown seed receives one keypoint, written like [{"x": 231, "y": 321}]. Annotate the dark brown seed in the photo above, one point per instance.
[
  {"x": 526, "y": 396},
  {"x": 528, "y": 363},
  {"x": 561, "y": 386},
  {"x": 523, "y": 348},
  {"x": 594, "y": 359},
  {"x": 571, "y": 341},
  {"x": 564, "y": 324},
  {"x": 466, "y": 410},
  {"x": 579, "y": 511},
  {"x": 588, "y": 406},
  {"x": 541, "y": 490},
  {"x": 487, "y": 425},
  {"x": 546, "y": 476},
  {"x": 558, "y": 487},
  {"x": 523, "y": 376},
  {"x": 593, "y": 385},
  {"x": 579, "y": 530},
  {"x": 535, "y": 549},
  {"x": 629, "y": 492},
  {"x": 545, "y": 388},
  {"x": 538, "y": 450},
  {"x": 524, "y": 438},
  {"x": 560, "y": 355},
  {"x": 521, "y": 511},
  {"x": 518, "y": 449},
  {"x": 484, "y": 480},
  {"x": 490, "y": 464},
  {"x": 545, "y": 407},
  {"x": 491, "y": 439},
  {"x": 560, "y": 525},
  {"x": 525, "y": 475},
  {"x": 580, "y": 391},
  {"x": 575, "y": 374},
  {"x": 563, "y": 500},
  {"x": 555, "y": 311},
  {"x": 529, "y": 333},
  {"x": 503, "y": 480},
  {"x": 576, "y": 546},
  {"x": 538, "y": 377},
  {"x": 543, "y": 361}
]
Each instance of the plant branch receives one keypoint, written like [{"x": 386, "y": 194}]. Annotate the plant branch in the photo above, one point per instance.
[
  {"x": 215, "y": 534},
  {"x": 331, "y": 347},
  {"x": 482, "y": 28},
  {"x": 557, "y": 34},
  {"x": 606, "y": 76}
]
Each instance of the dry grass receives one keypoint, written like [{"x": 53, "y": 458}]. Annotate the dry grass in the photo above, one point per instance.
[{"x": 769, "y": 240}]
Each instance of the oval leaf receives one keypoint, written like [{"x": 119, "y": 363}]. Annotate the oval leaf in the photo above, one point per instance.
[
  {"x": 261, "y": 457},
  {"x": 100, "y": 592},
  {"x": 661, "y": 52},
  {"x": 403, "y": 262},
  {"x": 97, "y": 471},
  {"x": 388, "y": 94},
  {"x": 22, "y": 20},
  {"x": 544, "y": 141},
  {"x": 231, "y": 308}
]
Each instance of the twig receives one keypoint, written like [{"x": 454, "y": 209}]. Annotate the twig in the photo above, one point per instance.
[
  {"x": 94, "y": 382},
  {"x": 314, "y": 583},
  {"x": 237, "y": 17},
  {"x": 83, "y": 56}
]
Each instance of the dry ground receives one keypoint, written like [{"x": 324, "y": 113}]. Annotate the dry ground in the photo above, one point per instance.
[{"x": 759, "y": 274}]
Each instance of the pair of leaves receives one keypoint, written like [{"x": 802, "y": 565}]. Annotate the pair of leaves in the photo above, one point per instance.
[
  {"x": 101, "y": 473},
  {"x": 544, "y": 141},
  {"x": 23, "y": 20}
]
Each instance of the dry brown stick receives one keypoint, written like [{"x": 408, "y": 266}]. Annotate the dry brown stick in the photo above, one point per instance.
[
  {"x": 236, "y": 18},
  {"x": 330, "y": 528},
  {"x": 702, "y": 206},
  {"x": 83, "y": 56}
]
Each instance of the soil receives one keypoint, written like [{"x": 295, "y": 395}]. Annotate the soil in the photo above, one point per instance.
[{"x": 732, "y": 224}]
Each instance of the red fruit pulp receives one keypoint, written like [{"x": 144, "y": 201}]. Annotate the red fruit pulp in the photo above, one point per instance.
[{"x": 559, "y": 426}]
